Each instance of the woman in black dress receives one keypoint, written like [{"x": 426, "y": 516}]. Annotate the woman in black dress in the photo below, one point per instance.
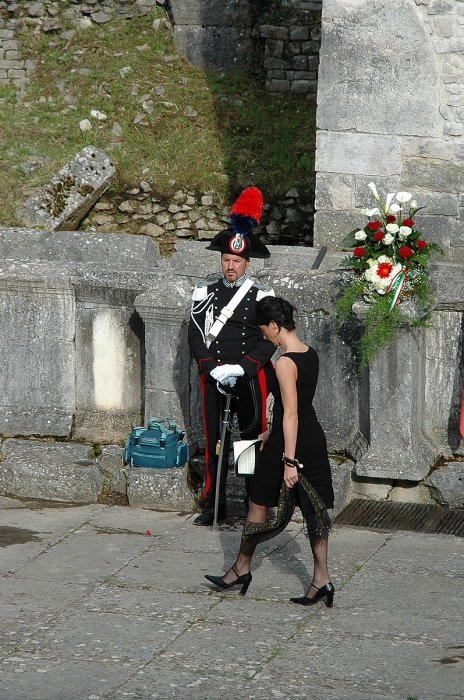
[{"x": 293, "y": 468}]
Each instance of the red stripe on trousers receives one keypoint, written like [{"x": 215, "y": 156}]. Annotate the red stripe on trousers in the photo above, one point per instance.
[
  {"x": 263, "y": 389},
  {"x": 205, "y": 430}
]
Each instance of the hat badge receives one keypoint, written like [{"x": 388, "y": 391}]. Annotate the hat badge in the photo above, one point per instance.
[{"x": 237, "y": 244}]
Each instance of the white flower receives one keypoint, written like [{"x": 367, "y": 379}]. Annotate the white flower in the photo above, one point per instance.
[
  {"x": 381, "y": 284},
  {"x": 388, "y": 201},
  {"x": 370, "y": 212},
  {"x": 373, "y": 189},
  {"x": 403, "y": 196},
  {"x": 360, "y": 235},
  {"x": 403, "y": 232},
  {"x": 392, "y": 228},
  {"x": 395, "y": 208},
  {"x": 387, "y": 239}
]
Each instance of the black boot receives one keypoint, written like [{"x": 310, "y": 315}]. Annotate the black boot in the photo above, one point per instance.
[{"x": 207, "y": 517}]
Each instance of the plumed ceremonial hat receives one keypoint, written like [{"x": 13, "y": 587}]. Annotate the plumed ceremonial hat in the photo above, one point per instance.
[{"x": 244, "y": 216}]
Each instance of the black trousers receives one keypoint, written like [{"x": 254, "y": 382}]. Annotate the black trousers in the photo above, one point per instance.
[{"x": 249, "y": 403}]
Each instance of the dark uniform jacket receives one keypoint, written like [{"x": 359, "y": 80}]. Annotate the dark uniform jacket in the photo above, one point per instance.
[{"x": 240, "y": 340}]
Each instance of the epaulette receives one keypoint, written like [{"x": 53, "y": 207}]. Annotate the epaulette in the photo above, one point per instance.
[
  {"x": 211, "y": 279},
  {"x": 262, "y": 287}
]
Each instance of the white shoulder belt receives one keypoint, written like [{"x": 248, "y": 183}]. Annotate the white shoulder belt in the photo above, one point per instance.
[{"x": 227, "y": 311}]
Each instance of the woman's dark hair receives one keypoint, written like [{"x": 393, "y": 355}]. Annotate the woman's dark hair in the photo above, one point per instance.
[{"x": 275, "y": 309}]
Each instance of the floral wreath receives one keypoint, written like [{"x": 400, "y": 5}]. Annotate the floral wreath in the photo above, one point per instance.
[{"x": 389, "y": 262}]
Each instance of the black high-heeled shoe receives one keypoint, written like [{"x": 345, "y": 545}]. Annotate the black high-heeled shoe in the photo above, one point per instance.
[
  {"x": 244, "y": 580},
  {"x": 327, "y": 591}
]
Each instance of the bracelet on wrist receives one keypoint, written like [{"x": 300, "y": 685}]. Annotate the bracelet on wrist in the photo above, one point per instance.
[{"x": 291, "y": 462}]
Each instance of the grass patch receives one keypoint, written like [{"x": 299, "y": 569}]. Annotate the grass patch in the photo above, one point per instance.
[{"x": 240, "y": 135}]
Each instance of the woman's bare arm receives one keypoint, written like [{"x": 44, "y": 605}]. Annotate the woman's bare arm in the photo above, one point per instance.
[{"x": 287, "y": 374}]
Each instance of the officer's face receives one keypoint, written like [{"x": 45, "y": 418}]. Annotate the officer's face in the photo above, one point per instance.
[{"x": 233, "y": 266}]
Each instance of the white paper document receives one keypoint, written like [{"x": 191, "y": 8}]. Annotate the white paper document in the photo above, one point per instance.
[{"x": 245, "y": 456}]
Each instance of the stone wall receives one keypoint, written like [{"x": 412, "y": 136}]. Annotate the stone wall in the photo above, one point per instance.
[
  {"x": 214, "y": 34},
  {"x": 94, "y": 341},
  {"x": 188, "y": 214},
  {"x": 391, "y": 109},
  {"x": 19, "y": 18},
  {"x": 291, "y": 56},
  {"x": 72, "y": 344}
]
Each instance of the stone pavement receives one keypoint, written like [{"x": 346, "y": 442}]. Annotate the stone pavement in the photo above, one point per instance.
[{"x": 93, "y": 607}]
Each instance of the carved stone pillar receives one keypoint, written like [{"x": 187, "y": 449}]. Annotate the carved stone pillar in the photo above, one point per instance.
[
  {"x": 399, "y": 447},
  {"x": 164, "y": 310}
]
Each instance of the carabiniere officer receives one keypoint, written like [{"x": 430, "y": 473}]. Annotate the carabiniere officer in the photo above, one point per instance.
[{"x": 236, "y": 355}]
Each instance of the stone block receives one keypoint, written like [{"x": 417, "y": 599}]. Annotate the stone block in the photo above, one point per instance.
[
  {"x": 164, "y": 311},
  {"x": 210, "y": 13},
  {"x": 310, "y": 47},
  {"x": 452, "y": 69},
  {"x": 352, "y": 71},
  {"x": 159, "y": 489},
  {"x": 119, "y": 482},
  {"x": 399, "y": 447},
  {"x": 111, "y": 459},
  {"x": 276, "y": 64},
  {"x": 452, "y": 45},
  {"x": 36, "y": 354},
  {"x": 370, "y": 489},
  {"x": 354, "y": 153},
  {"x": 11, "y": 65},
  {"x": 109, "y": 342},
  {"x": 301, "y": 86},
  {"x": 402, "y": 492},
  {"x": 298, "y": 33},
  {"x": 331, "y": 227},
  {"x": 274, "y": 48},
  {"x": 428, "y": 148},
  {"x": 443, "y": 380},
  {"x": 49, "y": 471},
  {"x": 440, "y": 7},
  {"x": 334, "y": 192},
  {"x": 433, "y": 174},
  {"x": 341, "y": 479},
  {"x": 268, "y": 31},
  {"x": 447, "y": 484},
  {"x": 278, "y": 75},
  {"x": 278, "y": 85},
  {"x": 71, "y": 193},
  {"x": 437, "y": 203},
  {"x": 217, "y": 48},
  {"x": 445, "y": 27},
  {"x": 118, "y": 251},
  {"x": 453, "y": 129},
  {"x": 300, "y": 63}
]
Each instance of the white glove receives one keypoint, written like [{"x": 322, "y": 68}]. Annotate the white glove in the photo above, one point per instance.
[
  {"x": 226, "y": 371},
  {"x": 230, "y": 381}
]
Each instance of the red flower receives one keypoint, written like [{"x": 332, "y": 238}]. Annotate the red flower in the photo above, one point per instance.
[
  {"x": 378, "y": 235},
  {"x": 408, "y": 222},
  {"x": 374, "y": 225},
  {"x": 384, "y": 269},
  {"x": 421, "y": 244},
  {"x": 391, "y": 219},
  {"x": 405, "y": 251},
  {"x": 359, "y": 252}
]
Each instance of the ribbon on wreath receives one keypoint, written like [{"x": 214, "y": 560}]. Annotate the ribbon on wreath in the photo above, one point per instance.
[{"x": 397, "y": 285}]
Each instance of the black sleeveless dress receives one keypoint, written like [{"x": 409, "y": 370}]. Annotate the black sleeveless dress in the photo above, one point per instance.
[{"x": 315, "y": 479}]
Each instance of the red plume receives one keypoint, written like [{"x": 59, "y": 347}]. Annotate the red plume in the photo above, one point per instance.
[{"x": 249, "y": 203}]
